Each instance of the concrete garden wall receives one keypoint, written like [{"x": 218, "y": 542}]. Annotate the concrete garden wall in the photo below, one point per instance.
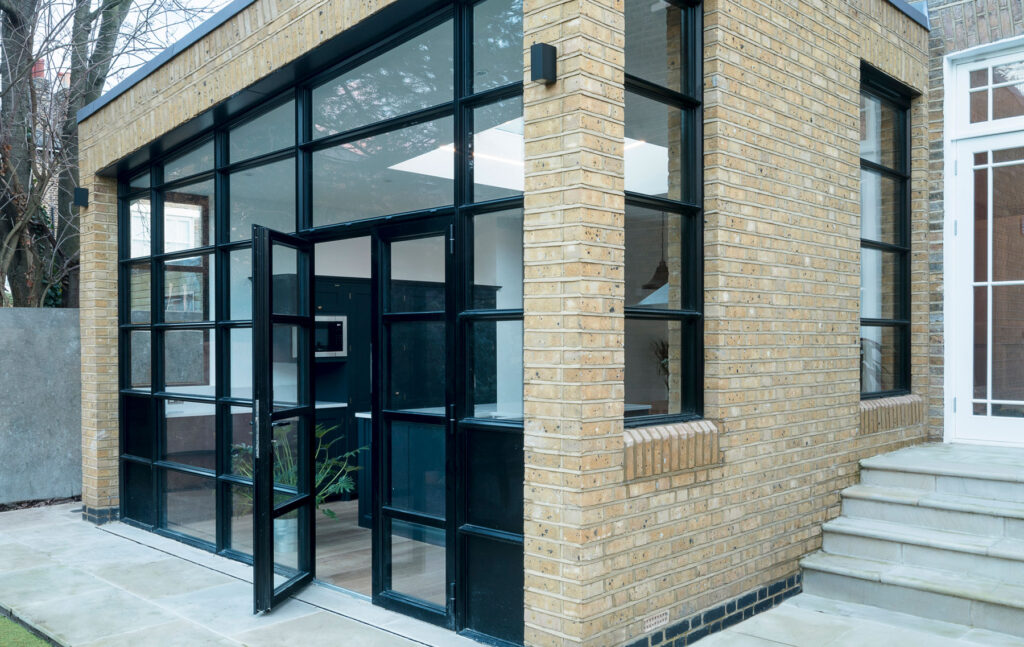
[{"x": 40, "y": 404}]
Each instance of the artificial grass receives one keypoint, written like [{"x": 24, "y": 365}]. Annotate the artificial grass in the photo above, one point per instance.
[{"x": 14, "y": 635}]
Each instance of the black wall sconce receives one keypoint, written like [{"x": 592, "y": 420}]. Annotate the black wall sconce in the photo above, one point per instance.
[
  {"x": 542, "y": 63},
  {"x": 81, "y": 198}
]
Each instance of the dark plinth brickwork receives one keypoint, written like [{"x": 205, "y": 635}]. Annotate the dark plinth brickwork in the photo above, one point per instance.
[{"x": 100, "y": 516}]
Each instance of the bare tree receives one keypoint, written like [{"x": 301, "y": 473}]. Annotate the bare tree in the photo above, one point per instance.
[{"x": 57, "y": 56}]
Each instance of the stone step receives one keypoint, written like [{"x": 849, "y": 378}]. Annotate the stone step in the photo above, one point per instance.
[
  {"x": 991, "y": 557},
  {"x": 971, "y": 470},
  {"x": 962, "y": 598},
  {"x": 957, "y": 513}
]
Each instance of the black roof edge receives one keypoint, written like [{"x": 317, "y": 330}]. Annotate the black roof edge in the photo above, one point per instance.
[
  {"x": 215, "y": 21},
  {"x": 913, "y": 13}
]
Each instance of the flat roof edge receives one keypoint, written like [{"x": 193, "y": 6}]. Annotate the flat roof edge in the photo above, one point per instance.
[
  {"x": 911, "y": 12},
  {"x": 215, "y": 21}
]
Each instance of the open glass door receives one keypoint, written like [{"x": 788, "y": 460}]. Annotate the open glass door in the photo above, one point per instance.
[{"x": 283, "y": 531}]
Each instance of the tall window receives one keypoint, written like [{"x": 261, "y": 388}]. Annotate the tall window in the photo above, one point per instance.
[
  {"x": 664, "y": 259},
  {"x": 885, "y": 238}
]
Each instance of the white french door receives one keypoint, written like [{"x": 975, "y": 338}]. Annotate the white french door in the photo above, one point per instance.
[{"x": 985, "y": 290}]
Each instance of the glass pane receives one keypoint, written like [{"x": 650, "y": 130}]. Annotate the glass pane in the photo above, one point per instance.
[
  {"x": 981, "y": 159},
  {"x": 653, "y": 265},
  {"x": 241, "y": 513},
  {"x": 140, "y": 181},
  {"x": 240, "y": 284},
  {"x": 140, "y": 226},
  {"x": 880, "y": 292},
  {"x": 979, "y": 106},
  {"x": 1008, "y": 410},
  {"x": 188, "y": 289},
  {"x": 1008, "y": 223},
  {"x": 264, "y": 195},
  {"x": 1008, "y": 101},
  {"x": 1008, "y": 72},
  {"x": 415, "y": 74},
  {"x": 269, "y": 132},
  {"x": 981, "y": 224},
  {"x": 188, "y": 217},
  {"x": 881, "y": 364},
  {"x": 417, "y": 275},
  {"x": 652, "y": 152},
  {"x": 194, "y": 161},
  {"x": 496, "y": 362},
  {"x": 979, "y": 409},
  {"x": 138, "y": 488},
  {"x": 494, "y": 479},
  {"x": 880, "y": 208},
  {"x": 285, "y": 377},
  {"x": 878, "y": 134},
  {"x": 191, "y": 433},
  {"x": 403, "y": 170},
  {"x": 137, "y": 424},
  {"x": 285, "y": 290},
  {"x": 980, "y": 342},
  {"x": 286, "y": 541},
  {"x": 498, "y": 150},
  {"x": 416, "y": 366},
  {"x": 1006, "y": 154},
  {"x": 240, "y": 357},
  {"x": 286, "y": 452},
  {"x": 417, "y": 472},
  {"x": 139, "y": 294},
  {"x": 241, "y": 429},
  {"x": 1008, "y": 342},
  {"x": 654, "y": 43},
  {"x": 190, "y": 505},
  {"x": 979, "y": 78},
  {"x": 188, "y": 362},
  {"x": 497, "y": 43},
  {"x": 498, "y": 260},
  {"x": 418, "y": 561},
  {"x": 139, "y": 352},
  {"x": 653, "y": 369}
]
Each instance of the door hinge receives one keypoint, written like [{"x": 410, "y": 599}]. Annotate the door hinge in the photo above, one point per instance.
[
  {"x": 956, "y": 228},
  {"x": 954, "y": 405},
  {"x": 451, "y": 238},
  {"x": 451, "y": 593},
  {"x": 956, "y": 167},
  {"x": 256, "y": 428}
]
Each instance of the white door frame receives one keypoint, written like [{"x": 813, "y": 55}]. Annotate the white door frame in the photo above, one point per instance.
[{"x": 960, "y": 139}]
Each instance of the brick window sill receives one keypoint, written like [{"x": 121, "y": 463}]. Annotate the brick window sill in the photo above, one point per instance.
[
  {"x": 664, "y": 449},
  {"x": 886, "y": 414}
]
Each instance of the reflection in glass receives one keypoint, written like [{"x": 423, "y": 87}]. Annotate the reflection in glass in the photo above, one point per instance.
[
  {"x": 494, "y": 472},
  {"x": 980, "y": 342},
  {"x": 188, "y": 217},
  {"x": 1008, "y": 101},
  {"x": 1008, "y": 223},
  {"x": 497, "y": 43},
  {"x": 286, "y": 541},
  {"x": 878, "y": 140},
  {"x": 138, "y": 293},
  {"x": 881, "y": 361},
  {"x": 979, "y": 409},
  {"x": 979, "y": 106},
  {"x": 286, "y": 365},
  {"x": 1007, "y": 345},
  {"x": 979, "y": 78},
  {"x": 981, "y": 224},
  {"x": 879, "y": 208},
  {"x": 654, "y": 44},
  {"x": 271, "y": 131},
  {"x": 190, "y": 505},
  {"x": 241, "y": 501},
  {"x": 1007, "y": 410},
  {"x": 1005, "y": 155},
  {"x": 653, "y": 258},
  {"x": 285, "y": 290},
  {"x": 137, "y": 426},
  {"x": 286, "y": 452},
  {"x": 241, "y": 430},
  {"x": 403, "y": 170},
  {"x": 416, "y": 365},
  {"x": 240, "y": 284},
  {"x": 654, "y": 133},
  {"x": 497, "y": 160},
  {"x": 264, "y": 195},
  {"x": 653, "y": 368},
  {"x": 140, "y": 181},
  {"x": 188, "y": 289},
  {"x": 188, "y": 362},
  {"x": 496, "y": 361},
  {"x": 417, "y": 275},
  {"x": 415, "y": 74},
  {"x": 417, "y": 469},
  {"x": 498, "y": 260},
  {"x": 140, "y": 227},
  {"x": 194, "y": 161},
  {"x": 138, "y": 501},
  {"x": 880, "y": 296},
  {"x": 139, "y": 352},
  {"x": 240, "y": 357},
  {"x": 418, "y": 561},
  {"x": 190, "y": 433}
]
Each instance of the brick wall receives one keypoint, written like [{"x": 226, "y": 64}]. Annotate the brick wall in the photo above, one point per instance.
[{"x": 956, "y": 25}]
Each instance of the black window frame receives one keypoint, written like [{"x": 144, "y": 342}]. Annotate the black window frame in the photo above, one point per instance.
[
  {"x": 690, "y": 209},
  {"x": 898, "y": 97}
]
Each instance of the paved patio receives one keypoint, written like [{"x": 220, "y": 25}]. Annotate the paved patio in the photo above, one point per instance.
[{"x": 117, "y": 586}]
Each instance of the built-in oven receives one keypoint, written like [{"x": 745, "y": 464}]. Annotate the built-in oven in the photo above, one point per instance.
[{"x": 331, "y": 338}]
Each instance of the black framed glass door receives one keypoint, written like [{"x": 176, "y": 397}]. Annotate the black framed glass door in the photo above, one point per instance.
[
  {"x": 413, "y": 564},
  {"x": 283, "y": 418}
]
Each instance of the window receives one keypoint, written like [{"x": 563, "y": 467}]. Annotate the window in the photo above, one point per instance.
[
  {"x": 663, "y": 232},
  {"x": 885, "y": 238}
]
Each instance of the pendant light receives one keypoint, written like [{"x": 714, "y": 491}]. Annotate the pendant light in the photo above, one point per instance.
[{"x": 660, "y": 276}]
